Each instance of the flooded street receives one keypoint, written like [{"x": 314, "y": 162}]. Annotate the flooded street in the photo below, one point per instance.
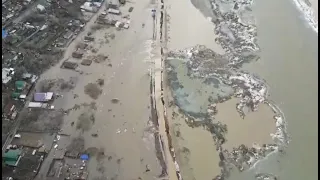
[{"x": 110, "y": 102}]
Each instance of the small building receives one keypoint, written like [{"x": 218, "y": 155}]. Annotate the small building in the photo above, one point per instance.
[
  {"x": 68, "y": 35},
  {"x": 41, "y": 8},
  {"x": 12, "y": 157},
  {"x": 114, "y": 11},
  {"x": 40, "y": 105},
  {"x": 22, "y": 90},
  {"x": 43, "y": 97},
  {"x": 35, "y": 105},
  {"x": 88, "y": 38},
  {"x": 7, "y": 74},
  {"x": 20, "y": 85},
  {"x": 10, "y": 111},
  {"x": 89, "y": 7},
  {"x": 77, "y": 54},
  {"x": 28, "y": 76},
  {"x": 18, "y": 95},
  {"x": 69, "y": 65}
]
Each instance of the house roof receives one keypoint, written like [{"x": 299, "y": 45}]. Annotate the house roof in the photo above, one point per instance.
[
  {"x": 12, "y": 154},
  {"x": 20, "y": 85},
  {"x": 8, "y": 108},
  {"x": 15, "y": 95},
  {"x": 11, "y": 157},
  {"x": 43, "y": 97},
  {"x": 7, "y": 75}
]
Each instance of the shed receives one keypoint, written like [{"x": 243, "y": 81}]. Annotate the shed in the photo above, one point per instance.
[
  {"x": 12, "y": 157},
  {"x": 35, "y": 105}
]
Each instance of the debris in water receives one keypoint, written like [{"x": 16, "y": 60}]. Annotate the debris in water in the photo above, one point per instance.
[
  {"x": 147, "y": 168},
  {"x": 115, "y": 100},
  {"x": 93, "y": 90},
  {"x": 100, "y": 82},
  {"x": 118, "y": 131}
]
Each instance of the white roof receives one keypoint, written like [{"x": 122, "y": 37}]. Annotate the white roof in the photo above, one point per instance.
[
  {"x": 113, "y": 11},
  {"x": 40, "y": 7},
  {"x": 6, "y": 77},
  {"x": 49, "y": 95},
  {"x": 34, "y": 105},
  {"x": 22, "y": 96}
]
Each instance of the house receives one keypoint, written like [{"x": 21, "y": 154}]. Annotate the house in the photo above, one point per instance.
[
  {"x": 69, "y": 65},
  {"x": 7, "y": 74},
  {"x": 20, "y": 85},
  {"x": 22, "y": 90},
  {"x": 43, "y": 97},
  {"x": 12, "y": 157},
  {"x": 88, "y": 38},
  {"x": 77, "y": 54},
  {"x": 9, "y": 111}
]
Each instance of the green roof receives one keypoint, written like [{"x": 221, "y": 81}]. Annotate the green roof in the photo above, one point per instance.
[
  {"x": 20, "y": 85},
  {"x": 11, "y": 157},
  {"x": 15, "y": 95}
]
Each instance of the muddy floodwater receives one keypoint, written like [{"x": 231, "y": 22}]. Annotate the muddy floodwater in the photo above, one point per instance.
[
  {"x": 289, "y": 63},
  {"x": 252, "y": 97}
]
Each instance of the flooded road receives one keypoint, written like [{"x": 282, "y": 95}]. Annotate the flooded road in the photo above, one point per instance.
[{"x": 110, "y": 103}]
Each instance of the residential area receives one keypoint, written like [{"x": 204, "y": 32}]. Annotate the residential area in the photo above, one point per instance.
[{"x": 35, "y": 36}]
